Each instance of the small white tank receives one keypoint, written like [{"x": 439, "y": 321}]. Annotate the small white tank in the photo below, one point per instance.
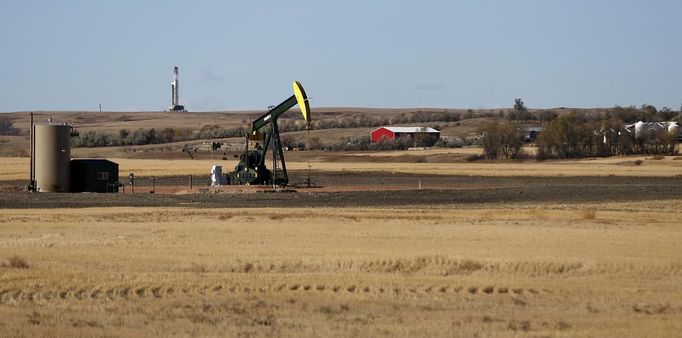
[
  {"x": 674, "y": 129},
  {"x": 639, "y": 129},
  {"x": 217, "y": 177}
]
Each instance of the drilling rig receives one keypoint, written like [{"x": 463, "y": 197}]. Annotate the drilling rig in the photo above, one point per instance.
[
  {"x": 175, "y": 92},
  {"x": 251, "y": 169}
]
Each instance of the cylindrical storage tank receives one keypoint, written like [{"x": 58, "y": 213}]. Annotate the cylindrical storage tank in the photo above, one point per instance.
[
  {"x": 674, "y": 129},
  {"x": 52, "y": 157},
  {"x": 639, "y": 129}
]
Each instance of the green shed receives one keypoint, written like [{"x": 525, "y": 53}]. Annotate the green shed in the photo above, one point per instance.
[{"x": 94, "y": 175}]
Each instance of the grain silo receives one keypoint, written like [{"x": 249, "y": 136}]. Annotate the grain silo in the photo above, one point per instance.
[{"x": 52, "y": 157}]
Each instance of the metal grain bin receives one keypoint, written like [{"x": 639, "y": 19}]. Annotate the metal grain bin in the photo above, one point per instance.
[{"x": 52, "y": 157}]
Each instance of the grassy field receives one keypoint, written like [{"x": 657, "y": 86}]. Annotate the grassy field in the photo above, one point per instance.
[
  {"x": 14, "y": 168},
  {"x": 610, "y": 269}
]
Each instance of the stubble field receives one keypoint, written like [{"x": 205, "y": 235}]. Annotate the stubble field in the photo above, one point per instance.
[
  {"x": 608, "y": 269},
  {"x": 533, "y": 252}
]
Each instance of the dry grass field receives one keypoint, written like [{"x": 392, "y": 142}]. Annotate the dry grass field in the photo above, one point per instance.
[
  {"x": 609, "y": 269},
  {"x": 512, "y": 249},
  {"x": 14, "y": 168}
]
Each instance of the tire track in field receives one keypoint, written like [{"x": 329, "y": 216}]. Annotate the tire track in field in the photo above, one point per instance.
[
  {"x": 129, "y": 293},
  {"x": 447, "y": 266}
]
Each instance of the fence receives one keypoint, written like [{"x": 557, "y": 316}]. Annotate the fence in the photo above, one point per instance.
[{"x": 151, "y": 184}]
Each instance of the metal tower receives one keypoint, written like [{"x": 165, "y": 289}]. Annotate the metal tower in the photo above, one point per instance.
[{"x": 175, "y": 92}]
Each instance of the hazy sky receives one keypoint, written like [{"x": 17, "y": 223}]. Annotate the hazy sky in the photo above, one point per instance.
[{"x": 72, "y": 55}]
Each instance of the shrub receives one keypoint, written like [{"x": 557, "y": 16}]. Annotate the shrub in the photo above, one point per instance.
[
  {"x": 501, "y": 141},
  {"x": 364, "y": 143},
  {"x": 546, "y": 115},
  {"x": 453, "y": 143},
  {"x": 152, "y": 136},
  {"x": 290, "y": 142},
  {"x": 7, "y": 127},
  {"x": 314, "y": 143},
  {"x": 574, "y": 135},
  {"x": 15, "y": 262},
  {"x": 589, "y": 214}
]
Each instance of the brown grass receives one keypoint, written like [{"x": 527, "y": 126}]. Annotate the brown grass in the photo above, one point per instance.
[
  {"x": 16, "y": 168},
  {"x": 541, "y": 270},
  {"x": 15, "y": 262},
  {"x": 589, "y": 214}
]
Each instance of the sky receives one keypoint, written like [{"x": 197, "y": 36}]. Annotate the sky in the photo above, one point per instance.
[{"x": 235, "y": 55}]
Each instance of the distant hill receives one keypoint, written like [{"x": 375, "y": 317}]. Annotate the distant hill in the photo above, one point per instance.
[{"x": 333, "y": 123}]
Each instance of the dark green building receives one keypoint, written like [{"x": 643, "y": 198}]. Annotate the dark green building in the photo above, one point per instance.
[{"x": 94, "y": 175}]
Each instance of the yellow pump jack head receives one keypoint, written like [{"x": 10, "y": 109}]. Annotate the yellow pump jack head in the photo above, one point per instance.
[{"x": 302, "y": 100}]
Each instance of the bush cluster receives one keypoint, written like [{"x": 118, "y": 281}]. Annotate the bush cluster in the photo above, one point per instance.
[
  {"x": 574, "y": 136},
  {"x": 7, "y": 127},
  {"x": 501, "y": 141},
  {"x": 290, "y": 125},
  {"x": 361, "y": 143},
  {"x": 143, "y": 136},
  {"x": 646, "y": 113},
  {"x": 364, "y": 143}
]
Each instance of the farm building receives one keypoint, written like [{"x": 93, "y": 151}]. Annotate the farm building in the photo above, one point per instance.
[{"x": 393, "y": 133}]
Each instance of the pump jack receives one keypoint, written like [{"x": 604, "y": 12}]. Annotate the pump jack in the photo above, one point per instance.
[{"x": 251, "y": 169}]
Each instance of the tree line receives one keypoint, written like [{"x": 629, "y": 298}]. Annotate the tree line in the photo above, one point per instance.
[
  {"x": 574, "y": 135},
  {"x": 519, "y": 112},
  {"x": 291, "y": 125},
  {"x": 359, "y": 143},
  {"x": 142, "y": 136}
]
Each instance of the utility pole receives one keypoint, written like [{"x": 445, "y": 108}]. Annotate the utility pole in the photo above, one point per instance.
[{"x": 32, "y": 176}]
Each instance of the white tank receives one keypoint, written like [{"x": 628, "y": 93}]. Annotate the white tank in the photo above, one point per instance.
[
  {"x": 639, "y": 129},
  {"x": 217, "y": 178},
  {"x": 674, "y": 129},
  {"x": 52, "y": 157}
]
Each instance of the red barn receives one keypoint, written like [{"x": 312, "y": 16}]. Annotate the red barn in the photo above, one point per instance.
[{"x": 392, "y": 133}]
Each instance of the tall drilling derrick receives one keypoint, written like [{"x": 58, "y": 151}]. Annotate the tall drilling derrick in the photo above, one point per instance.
[{"x": 175, "y": 92}]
